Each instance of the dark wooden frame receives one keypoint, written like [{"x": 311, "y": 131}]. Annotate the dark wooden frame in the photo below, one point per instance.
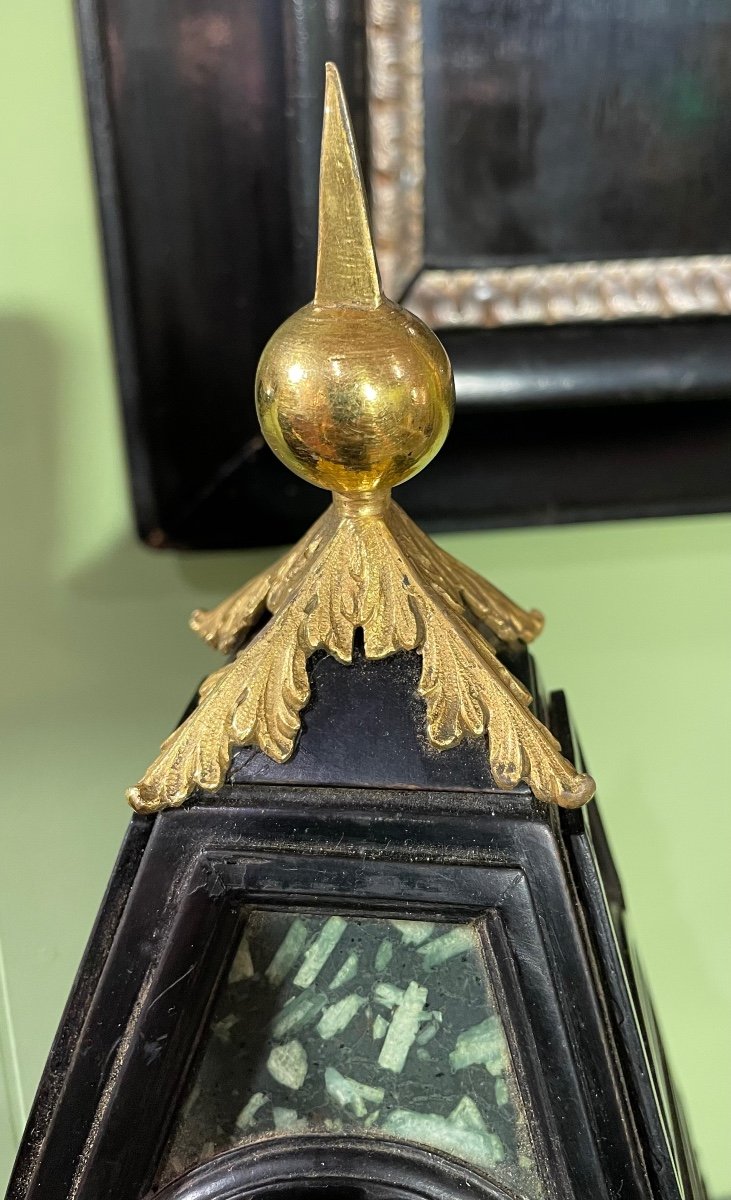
[{"x": 553, "y": 424}]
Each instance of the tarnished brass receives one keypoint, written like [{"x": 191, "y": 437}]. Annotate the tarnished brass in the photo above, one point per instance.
[{"x": 356, "y": 395}]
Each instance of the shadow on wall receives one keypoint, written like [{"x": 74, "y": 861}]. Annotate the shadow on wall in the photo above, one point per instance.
[
  {"x": 30, "y": 367},
  {"x": 78, "y": 633},
  {"x": 97, "y": 666}
]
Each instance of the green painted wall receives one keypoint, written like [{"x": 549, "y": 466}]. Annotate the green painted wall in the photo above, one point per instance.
[{"x": 97, "y": 662}]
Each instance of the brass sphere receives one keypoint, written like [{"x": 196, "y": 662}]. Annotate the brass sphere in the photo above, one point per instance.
[{"x": 354, "y": 399}]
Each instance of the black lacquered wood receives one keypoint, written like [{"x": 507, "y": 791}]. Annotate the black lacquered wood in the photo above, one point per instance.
[
  {"x": 536, "y": 884},
  {"x": 171, "y": 948},
  {"x": 351, "y": 738},
  {"x": 52, "y": 1090}
]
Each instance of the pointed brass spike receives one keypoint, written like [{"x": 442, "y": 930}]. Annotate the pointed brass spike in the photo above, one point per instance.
[{"x": 347, "y": 273}]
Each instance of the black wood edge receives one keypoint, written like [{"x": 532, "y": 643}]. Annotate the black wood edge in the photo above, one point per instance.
[
  {"x": 201, "y": 864},
  {"x": 518, "y": 803},
  {"x": 631, "y": 1046},
  {"x": 110, "y": 206},
  {"x": 82, "y": 993},
  {"x": 693, "y": 1182},
  {"x": 567, "y": 824},
  {"x": 543, "y": 1129},
  {"x": 330, "y": 1165},
  {"x": 623, "y": 363},
  {"x": 599, "y": 889}
]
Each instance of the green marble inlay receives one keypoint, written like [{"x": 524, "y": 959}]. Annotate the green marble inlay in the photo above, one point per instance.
[{"x": 347, "y": 1024}]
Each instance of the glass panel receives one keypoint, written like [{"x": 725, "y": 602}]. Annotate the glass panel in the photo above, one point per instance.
[
  {"x": 530, "y": 109},
  {"x": 347, "y": 1024}
]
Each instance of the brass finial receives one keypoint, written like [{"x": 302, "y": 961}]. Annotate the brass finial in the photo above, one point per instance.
[{"x": 355, "y": 394}]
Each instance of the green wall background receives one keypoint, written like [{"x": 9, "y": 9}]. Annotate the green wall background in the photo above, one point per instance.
[{"x": 97, "y": 662}]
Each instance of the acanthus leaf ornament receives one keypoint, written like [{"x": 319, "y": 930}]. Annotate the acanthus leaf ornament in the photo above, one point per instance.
[{"x": 356, "y": 395}]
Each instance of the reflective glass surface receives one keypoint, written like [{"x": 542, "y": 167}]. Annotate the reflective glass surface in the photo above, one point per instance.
[
  {"x": 354, "y": 1024},
  {"x": 562, "y": 129}
]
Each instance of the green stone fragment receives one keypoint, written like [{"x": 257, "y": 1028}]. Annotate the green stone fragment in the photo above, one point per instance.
[
  {"x": 442, "y": 948},
  {"x": 319, "y": 952},
  {"x": 287, "y": 953},
  {"x": 388, "y": 995},
  {"x": 350, "y": 1094},
  {"x": 467, "y": 1114},
  {"x": 288, "y": 1065},
  {"x": 287, "y": 1118},
  {"x": 384, "y": 954},
  {"x": 298, "y": 1011},
  {"x": 247, "y": 1116},
  {"x": 483, "y": 1043},
  {"x": 501, "y": 1091},
  {"x": 380, "y": 1028},
  {"x": 338, "y": 1016},
  {"x": 413, "y": 933},
  {"x": 403, "y": 1029},
  {"x": 190, "y": 1103},
  {"x": 242, "y": 966},
  {"x": 426, "y": 1034},
  {"x": 348, "y": 971},
  {"x": 434, "y": 1015},
  {"x": 479, "y": 1147},
  {"x": 222, "y": 1029}
]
